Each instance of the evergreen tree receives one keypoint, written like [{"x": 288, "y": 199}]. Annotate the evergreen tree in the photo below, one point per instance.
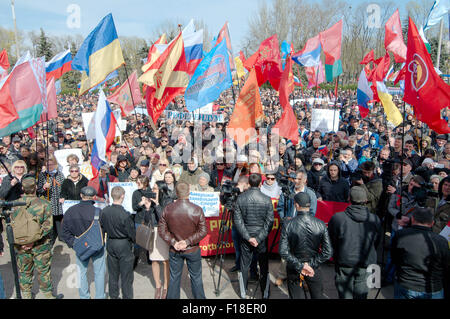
[{"x": 44, "y": 47}]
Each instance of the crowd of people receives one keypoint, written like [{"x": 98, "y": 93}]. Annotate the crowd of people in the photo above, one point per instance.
[{"x": 389, "y": 171}]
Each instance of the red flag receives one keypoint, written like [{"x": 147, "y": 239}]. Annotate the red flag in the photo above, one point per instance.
[
  {"x": 166, "y": 78},
  {"x": 152, "y": 55},
  {"x": 242, "y": 57},
  {"x": 4, "y": 62},
  {"x": 225, "y": 33},
  {"x": 379, "y": 73},
  {"x": 424, "y": 89},
  {"x": 401, "y": 75},
  {"x": 31, "y": 133},
  {"x": 52, "y": 111},
  {"x": 315, "y": 75},
  {"x": 368, "y": 58},
  {"x": 331, "y": 41},
  {"x": 267, "y": 62},
  {"x": 7, "y": 108},
  {"x": 287, "y": 124},
  {"x": 393, "y": 39},
  {"x": 125, "y": 97}
]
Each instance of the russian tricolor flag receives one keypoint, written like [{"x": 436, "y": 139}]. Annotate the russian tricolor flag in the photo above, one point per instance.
[
  {"x": 193, "y": 49},
  {"x": 310, "y": 55},
  {"x": 364, "y": 94},
  {"x": 105, "y": 131},
  {"x": 60, "y": 64}
]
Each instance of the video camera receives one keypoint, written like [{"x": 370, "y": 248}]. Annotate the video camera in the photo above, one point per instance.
[
  {"x": 286, "y": 185},
  {"x": 8, "y": 205},
  {"x": 229, "y": 193}
]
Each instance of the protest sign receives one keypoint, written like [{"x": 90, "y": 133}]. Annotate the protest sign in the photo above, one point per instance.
[
  {"x": 208, "y": 201},
  {"x": 324, "y": 120},
  {"x": 69, "y": 203},
  {"x": 61, "y": 158},
  {"x": 129, "y": 188},
  {"x": 185, "y": 116}
]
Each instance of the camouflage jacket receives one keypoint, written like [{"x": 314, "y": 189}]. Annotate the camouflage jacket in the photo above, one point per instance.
[{"x": 38, "y": 207}]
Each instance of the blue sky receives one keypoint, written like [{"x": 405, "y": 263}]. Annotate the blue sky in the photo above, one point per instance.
[{"x": 134, "y": 17}]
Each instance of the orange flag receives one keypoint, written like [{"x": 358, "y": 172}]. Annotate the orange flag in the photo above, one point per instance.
[
  {"x": 247, "y": 111},
  {"x": 125, "y": 97},
  {"x": 287, "y": 124}
]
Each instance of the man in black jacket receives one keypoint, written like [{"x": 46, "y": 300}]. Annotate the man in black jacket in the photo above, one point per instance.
[
  {"x": 421, "y": 258},
  {"x": 301, "y": 238},
  {"x": 253, "y": 217},
  {"x": 333, "y": 187},
  {"x": 119, "y": 226},
  {"x": 354, "y": 234},
  {"x": 77, "y": 220}
]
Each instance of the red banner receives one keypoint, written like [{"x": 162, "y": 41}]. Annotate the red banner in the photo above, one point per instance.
[{"x": 208, "y": 245}]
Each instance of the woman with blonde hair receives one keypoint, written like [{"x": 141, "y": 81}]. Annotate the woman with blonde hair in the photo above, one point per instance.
[
  {"x": 11, "y": 188},
  {"x": 158, "y": 175}
]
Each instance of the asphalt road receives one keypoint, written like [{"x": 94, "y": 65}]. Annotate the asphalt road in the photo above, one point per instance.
[{"x": 64, "y": 278}]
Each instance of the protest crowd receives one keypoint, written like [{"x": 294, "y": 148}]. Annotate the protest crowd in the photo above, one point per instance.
[{"x": 112, "y": 179}]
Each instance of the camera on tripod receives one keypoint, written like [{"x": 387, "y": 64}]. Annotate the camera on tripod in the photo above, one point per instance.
[
  {"x": 286, "y": 184},
  {"x": 230, "y": 192}
]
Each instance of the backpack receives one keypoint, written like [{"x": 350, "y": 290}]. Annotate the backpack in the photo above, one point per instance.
[
  {"x": 26, "y": 227},
  {"x": 91, "y": 241}
]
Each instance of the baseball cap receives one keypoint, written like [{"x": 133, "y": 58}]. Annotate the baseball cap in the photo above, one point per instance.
[
  {"x": 358, "y": 194},
  {"x": 16, "y": 139},
  {"x": 359, "y": 132},
  {"x": 302, "y": 199},
  {"x": 319, "y": 161},
  {"x": 407, "y": 161},
  {"x": 441, "y": 137}
]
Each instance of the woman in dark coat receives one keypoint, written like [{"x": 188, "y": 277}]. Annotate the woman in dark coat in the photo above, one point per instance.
[
  {"x": 72, "y": 185},
  {"x": 122, "y": 169},
  {"x": 167, "y": 193}
]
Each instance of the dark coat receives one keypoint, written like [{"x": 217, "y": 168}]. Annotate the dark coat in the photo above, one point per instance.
[
  {"x": 70, "y": 191},
  {"x": 335, "y": 191}
]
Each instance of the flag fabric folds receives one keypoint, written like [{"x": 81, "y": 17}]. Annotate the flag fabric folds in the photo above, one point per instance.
[
  {"x": 23, "y": 95},
  {"x": 331, "y": 41},
  {"x": 193, "y": 49},
  {"x": 393, "y": 38},
  {"x": 240, "y": 70},
  {"x": 267, "y": 62},
  {"x": 59, "y": 64},
  {"x": 370, "y": 57},
  {"x": 310, "y": 55},
  {"x": 52, "y": 110},
  {"x": 225, "y": 33},
  {"x": 364, "y": 94},
  {"x": 248, "y": 109},
  {"x": 287, "y": 125},
  {"x": 438, "y": 11},
  {"x": 105, "y": 131},
  {"x": 99, "y": 55},
  {"x": 424, "y": 89},
  {"x": 127, "y": 99},
  {"x": 210, "y": 79},
  {"x": 166, "y": 78},
  {"x": 315, "y": 75},
  {"x": 4, "y": 64},
  {"x": 393, "y": 115}
]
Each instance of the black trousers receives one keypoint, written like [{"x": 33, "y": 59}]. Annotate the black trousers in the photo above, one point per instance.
[
  {"x": 315, "y": 285},
  {"x": 120, "y": 266},
  {"x": 247, "y": 252},
  {"x": 57, "y": 229}
]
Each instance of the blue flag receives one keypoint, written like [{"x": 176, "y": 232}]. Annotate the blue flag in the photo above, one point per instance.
[
  {"x": 211, "y": 78},
  {"x": 286, "y": 48}
]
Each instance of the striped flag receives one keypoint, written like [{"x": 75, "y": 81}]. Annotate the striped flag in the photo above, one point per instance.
[
  {"x": 364, "y": 94},
  {"x": 59, "y": 64}
]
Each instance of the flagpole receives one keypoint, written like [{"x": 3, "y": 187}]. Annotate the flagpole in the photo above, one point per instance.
[
  {"x": 440, "y": 44},
  {"x": 132, "y": 99},
  {"x": 15, "y": 28}
]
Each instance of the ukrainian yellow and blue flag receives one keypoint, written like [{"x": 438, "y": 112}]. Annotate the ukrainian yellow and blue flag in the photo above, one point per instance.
[{"x": 99, "y": 55}]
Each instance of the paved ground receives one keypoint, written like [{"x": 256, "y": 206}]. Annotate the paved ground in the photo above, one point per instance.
[{"x": 64, "y": 278}]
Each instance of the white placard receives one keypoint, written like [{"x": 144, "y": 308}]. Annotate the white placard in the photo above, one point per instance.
[
  {"x": 323, "y": 121},
  {"x": 69, "y": 203},
  {"x": 61, "y": 158},
  {"x": 129, "y": 188},
  {"x": 208, "y": 201}
]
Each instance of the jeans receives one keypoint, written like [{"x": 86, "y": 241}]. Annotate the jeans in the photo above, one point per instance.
[
  {"x": 194, "y": 264},
  {"x": 2, "y": 289},
  {"x": 403, "y": 293},
  {"x": 99, "y": 264},
  {"x": 351, "y": 283}
]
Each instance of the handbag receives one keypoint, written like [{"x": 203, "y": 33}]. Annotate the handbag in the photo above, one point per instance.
[
  {"x": 145, "y": 235},
  {"x": 91, "y": 241}
]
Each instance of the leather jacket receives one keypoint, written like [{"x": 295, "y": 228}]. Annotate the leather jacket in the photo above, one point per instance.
[
  {"x": 253, "y": 215},
  {"x": 183, "y": 220},
  {"x": 301, "y": 238}
]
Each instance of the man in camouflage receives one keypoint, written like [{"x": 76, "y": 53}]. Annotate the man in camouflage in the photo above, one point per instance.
[{"x": 39, "y": 253}]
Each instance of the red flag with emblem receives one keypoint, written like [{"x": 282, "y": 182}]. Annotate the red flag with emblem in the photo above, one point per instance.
[
  {"x": 393, "y": 39},
  {"x": 128, "y": 95},
  {"x": 424, "y": 89}
]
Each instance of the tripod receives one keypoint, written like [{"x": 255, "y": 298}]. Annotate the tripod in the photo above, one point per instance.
[
  {"x": 10, "y": 238},
  {"x": 224, "y": 237}
]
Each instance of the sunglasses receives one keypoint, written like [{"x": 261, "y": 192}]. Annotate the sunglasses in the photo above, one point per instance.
[
  {"x": 164, "y": 141},
  {"x": 19, "y": 167},
  {"x": 162, "y": 164},
  {"x": 74, "y": 171},
  {"x": 270, "y": 178}
]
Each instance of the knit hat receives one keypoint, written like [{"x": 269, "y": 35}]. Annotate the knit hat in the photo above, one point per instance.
[
  {"x": 358, "y": 195},
  {"x": 204, "y": 175}
]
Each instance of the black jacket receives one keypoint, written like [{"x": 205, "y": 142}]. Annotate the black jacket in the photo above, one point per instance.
[
  {"x": 8, "y": 192},
  {"x": 70, "y": 191},
  {"x": 143, "y": 215},
  {"x": 77, "y": 220},
  {"x": 253, "y": 215},
  {"x": 335, "y": 191},
  {"x": 355, "y": 234},
  {"x": 314, "y": 178},
  {"x": 301, "y": 238},
  {"x": 117, "y": 223},
  {"x": 421, "y": 258}
]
